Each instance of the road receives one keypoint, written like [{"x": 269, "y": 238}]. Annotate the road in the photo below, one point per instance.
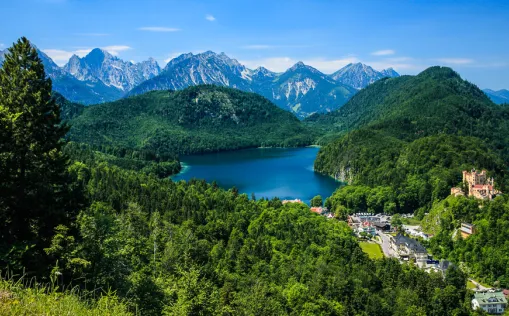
[{"x": 386, "y": 245}]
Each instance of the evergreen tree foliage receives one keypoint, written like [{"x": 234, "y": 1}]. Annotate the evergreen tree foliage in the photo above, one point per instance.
[{"x": 33, "y": 190}]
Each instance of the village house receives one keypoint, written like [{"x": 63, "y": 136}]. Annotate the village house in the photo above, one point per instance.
[
  {"x": 366, "y": 227},
  {"x": 408, "y": 248},
  {"x": 382, "y": 226},
  {"x": 467, "y": 230},
  {"x": 492, "y": 302},
  {"x": 319, "y": 210},
  {"x": 478, "y": 185}
]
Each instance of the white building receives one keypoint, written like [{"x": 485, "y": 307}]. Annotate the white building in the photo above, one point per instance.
[
  {"x": 408, "y": 248},
  {"x": 492, "y": 302}
]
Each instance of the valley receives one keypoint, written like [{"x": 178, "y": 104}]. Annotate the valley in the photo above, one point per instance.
[{"x": 208, "y": 188}]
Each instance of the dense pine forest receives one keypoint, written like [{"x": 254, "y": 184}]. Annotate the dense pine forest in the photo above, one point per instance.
[{"x": 102, "y": 218}]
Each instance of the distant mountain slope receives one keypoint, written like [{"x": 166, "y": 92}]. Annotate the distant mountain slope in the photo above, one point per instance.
[
  {"x": 305, "y": 90},
  {"x": 359, "y": 75},
  {"x": 99, "y": 65},
  {"x": 301, "y": 89},
  {"x": 99, "y": 77},
  {"x": 499, "y": 97},
  {"x": 85, "y": 92},
  {"x": 205, "y": 68},
  {"x": 197, "y": 119}
]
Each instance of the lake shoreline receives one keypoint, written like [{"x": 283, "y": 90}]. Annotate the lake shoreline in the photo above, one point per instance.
[{"x": 286, "y": 173}]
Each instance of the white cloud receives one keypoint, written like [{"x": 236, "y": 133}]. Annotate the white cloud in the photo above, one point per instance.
[
  {"x": 384, "y": 52},
  {"x": 332, "y": 65},
  {"x": 257, "y": 46},
  {"x": 158, "y": 29},
  {"x": 455, "y": 61},
  {"x": 61, "y": 57},
  {"x": 277, "y": 64},
  {"x": 171, "y": 56},
  {"x": 116, "y": 49},
  {"x": 93, "y": 34},
  {"x": 210, "y": 17}
]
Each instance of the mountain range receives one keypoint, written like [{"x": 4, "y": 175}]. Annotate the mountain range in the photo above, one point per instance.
[
  {"x": 301, "y": 89},
  {"x": 499, "y": 97},
  {"x": 101, "y": 77}
]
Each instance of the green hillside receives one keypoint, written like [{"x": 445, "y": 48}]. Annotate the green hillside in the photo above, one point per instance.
[
  {"x": 485, "y": 254},
  {"x": 415, "y": 134},
  {"x": 409, "y": 107},
  {"x": 194, "y": 120}
]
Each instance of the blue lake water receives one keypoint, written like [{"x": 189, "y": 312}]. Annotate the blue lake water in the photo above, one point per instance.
[{"x": 286, "y": 173}]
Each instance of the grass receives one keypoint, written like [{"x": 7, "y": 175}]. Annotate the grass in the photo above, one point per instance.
[
  {"x": 411, "y": 221},
  {"x": 373, "y": 250},
  {"x": 470, "y": 285},
  {"x": 16, "y": 299}
]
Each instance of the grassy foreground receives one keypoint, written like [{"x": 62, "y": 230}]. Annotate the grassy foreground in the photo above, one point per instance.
[
  {"x": 373, "y": 250},
  {"x": 16, "y": 299}
]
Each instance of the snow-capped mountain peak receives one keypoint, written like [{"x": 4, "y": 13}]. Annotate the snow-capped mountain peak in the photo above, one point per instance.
[
  {"x": 359, "y": 75},
  {"x": 100, "y": 65}
]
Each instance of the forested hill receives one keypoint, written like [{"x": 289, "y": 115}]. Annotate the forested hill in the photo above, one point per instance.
[
  {"x": 194, "y": 120},
  {"x": 414, "y": 135},
  {"x": 435, "y": 101}
]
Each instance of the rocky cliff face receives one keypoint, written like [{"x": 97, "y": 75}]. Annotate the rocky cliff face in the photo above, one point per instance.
[
  {"x": 360, "y": 75},
  {"x": 99, "y": 65},
  {"x": 82, "y": 91}
]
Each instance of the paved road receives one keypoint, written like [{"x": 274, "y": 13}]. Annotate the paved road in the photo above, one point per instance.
[{"x": 386, "y": 245}]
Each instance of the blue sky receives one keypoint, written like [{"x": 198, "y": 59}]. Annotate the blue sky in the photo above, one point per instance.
[{"x": 469, "y": 36}]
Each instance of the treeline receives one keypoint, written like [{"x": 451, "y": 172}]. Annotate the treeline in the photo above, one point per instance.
[{"x": 139, "y": 160}]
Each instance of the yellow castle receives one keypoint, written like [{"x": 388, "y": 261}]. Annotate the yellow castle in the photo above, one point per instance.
[{"x": 478, "y": 185}]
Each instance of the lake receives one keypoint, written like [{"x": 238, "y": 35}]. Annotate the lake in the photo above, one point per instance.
[{"x": 286, "y": 173}]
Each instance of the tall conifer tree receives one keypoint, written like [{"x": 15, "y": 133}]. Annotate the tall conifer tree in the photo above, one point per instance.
[{"x": 32, "y": 165}]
